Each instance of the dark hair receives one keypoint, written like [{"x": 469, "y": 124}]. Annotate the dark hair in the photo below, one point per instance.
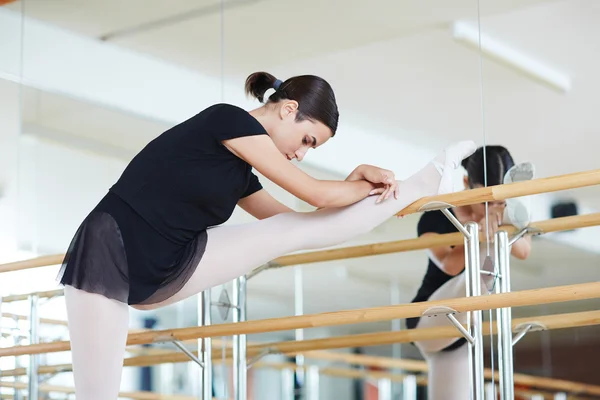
[
  {"x": 498, "y": 161},
  {"x": 315, "y": 97}
]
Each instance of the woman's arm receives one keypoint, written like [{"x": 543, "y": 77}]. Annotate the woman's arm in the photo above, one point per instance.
[
  {"x": 450, "y": 258},
  {"x": 260, "y": 152},
  {"x": 262, "y": 205},
  {"x": 521, "y": 248}
]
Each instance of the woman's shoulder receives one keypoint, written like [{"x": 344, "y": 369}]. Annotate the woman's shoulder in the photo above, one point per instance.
[{"x": 435, "y": 222}]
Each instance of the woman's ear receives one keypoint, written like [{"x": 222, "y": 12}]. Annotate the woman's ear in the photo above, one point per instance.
[
  {"x": 466, "y": 182},
  {"x": 289, "y": 107}
]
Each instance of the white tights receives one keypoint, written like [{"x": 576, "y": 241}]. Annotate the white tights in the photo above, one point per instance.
[
  {"x": 98, "y": 326},
  {"x": 448, "y": 376}
]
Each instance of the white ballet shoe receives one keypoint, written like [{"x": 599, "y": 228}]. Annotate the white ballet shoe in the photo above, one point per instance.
[
  {"x": 518, "y": 209},
  {"x": 453, "y": 156}
]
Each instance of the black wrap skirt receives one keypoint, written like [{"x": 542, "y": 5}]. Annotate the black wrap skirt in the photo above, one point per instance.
[{"x": 117, "y": 254}]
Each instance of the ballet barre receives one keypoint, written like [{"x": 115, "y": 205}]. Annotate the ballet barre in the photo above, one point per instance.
[
  {"x": 313, "y": 349},
  {"x": 557, "y": 294}
]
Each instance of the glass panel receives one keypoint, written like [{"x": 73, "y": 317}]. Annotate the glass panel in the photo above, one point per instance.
[{"x": 539, "y": 86}]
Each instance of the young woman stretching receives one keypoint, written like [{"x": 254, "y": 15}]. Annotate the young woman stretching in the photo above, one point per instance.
[
  {"x": 155, "y": 239},
  {"x": 448, "y": 377}
]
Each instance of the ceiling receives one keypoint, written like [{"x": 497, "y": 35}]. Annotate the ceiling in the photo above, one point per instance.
[{"x": 397, "y": 71}]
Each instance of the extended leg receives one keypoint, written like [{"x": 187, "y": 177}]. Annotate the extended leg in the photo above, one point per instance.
[
  {"x": 98, "y": 332},
  {"x": 232, "y": 251}
]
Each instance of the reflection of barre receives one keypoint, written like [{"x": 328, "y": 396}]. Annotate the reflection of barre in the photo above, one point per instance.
[
  {"x": 557, "y": 294},
  {"x": 308, "y": 348},
  {"x": 547, "y": 384},
  {"x": 466, "y": 197}
]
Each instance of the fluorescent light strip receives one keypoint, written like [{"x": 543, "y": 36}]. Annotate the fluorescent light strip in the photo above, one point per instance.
[{"x": 499, "y": 51}]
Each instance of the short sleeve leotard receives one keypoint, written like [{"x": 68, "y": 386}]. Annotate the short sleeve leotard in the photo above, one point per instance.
[{"x": 145, "y": 237}]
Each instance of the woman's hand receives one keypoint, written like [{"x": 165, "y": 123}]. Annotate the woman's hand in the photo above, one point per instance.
[
  {"x": 383, "y": 180},
  {"x": 494, "y": 221}
]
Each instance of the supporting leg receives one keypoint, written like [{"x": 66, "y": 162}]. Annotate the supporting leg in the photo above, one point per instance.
[{"x": 98, "y": 331}]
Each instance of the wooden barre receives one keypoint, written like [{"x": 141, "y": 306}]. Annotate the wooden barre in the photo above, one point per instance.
[
  {"x": 42, "y": 295},
  {"x": 582, "y": 291},
  {"x": 42, "y": 261},
  {"x": 507, "y": 191},
  {"x": 47, "y": 321},
  {"x": 128, "y": 395},
  {"x": 447, "y": 239},
  {"x": 466, "y": 197},
  {"x": 310, "y": 349}
]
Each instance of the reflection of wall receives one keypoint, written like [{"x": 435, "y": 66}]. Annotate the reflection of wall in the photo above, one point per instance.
[
  {"x": 9, "y": 134},
  {"x": 574, "y": 361},
  {"x": 60, "y": 185}
]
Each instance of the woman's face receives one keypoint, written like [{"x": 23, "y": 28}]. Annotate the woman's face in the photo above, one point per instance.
[
  {"x": 294, "y": 138},
  {"x": 478, "y": 210}
]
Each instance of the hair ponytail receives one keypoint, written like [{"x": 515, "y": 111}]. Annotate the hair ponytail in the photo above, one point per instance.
[
  {"x": 315, "y": 97},
  {"x": 258, "y": 83}
]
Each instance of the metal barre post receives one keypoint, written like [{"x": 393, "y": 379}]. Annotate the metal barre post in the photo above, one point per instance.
[
  {"x": 384, "y": 389},
  {"x": 505, "y": 346},
  {"x": 33, "y": 377},
  {"x": 287, "y": 384},
  {"x": 205, "y": 344},
  {"x": 409, "y": 387},
  {"x": 473, "y": 269},
  {"x": 312, "y": 383},
  {"x": 240, "y": 367}
]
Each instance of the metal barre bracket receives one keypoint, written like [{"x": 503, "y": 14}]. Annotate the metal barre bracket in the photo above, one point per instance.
[
  {"x": 264, "y": 352},
  {"x": 523, "y": 329},
  {"x": 519, "y": 235},
  {"x": 224, "y": 304},
  {"x": 264, "y": 267},
  {"x": 188, "y": 353},
  {"x": 449, "y": 313},
  {"x": 435, "y": 205}
]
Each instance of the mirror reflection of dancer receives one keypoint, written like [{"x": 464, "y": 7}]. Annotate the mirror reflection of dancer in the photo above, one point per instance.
[
  {"x": 448, "y": 377},
  {"x": 156, "y": 239}
]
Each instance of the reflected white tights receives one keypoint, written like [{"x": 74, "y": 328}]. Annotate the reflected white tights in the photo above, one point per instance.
[
  {"x": 448, "y": 376},
  {"x": 98, "y": 326}
]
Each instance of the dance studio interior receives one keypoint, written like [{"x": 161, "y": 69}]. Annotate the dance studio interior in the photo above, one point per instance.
[{"x": 86, "y": 85}]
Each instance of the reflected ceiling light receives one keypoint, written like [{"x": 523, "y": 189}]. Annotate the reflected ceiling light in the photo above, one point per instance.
[{"x": 496, "y": 50}]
